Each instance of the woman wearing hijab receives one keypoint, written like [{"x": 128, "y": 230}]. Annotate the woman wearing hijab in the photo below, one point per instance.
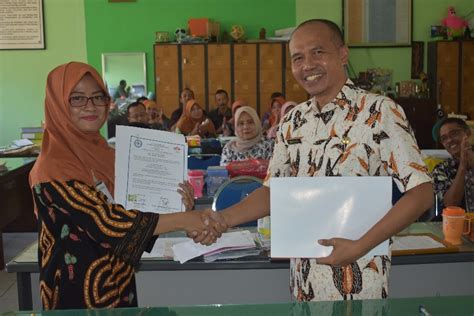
[
  {"x": 271, "y": 133},
  {"x": 88, "y": 246},
  {"x": 194, "y": 122},
  {"x": 156, "y": 118},
  {"x": 272, "y": 117},
  {"x": 250, "y": 143},
  {"x": 229, "y": 125}
]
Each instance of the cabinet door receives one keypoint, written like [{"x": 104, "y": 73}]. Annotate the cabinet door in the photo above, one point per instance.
[
  {"x": 245, "y": 73},
  {"x": 193, "y": 71},
  {"x": 166, "y": 69},
  {"x": 218, "y": 65},
  {"x": 169, "y": 102},
  {"x": 447, "y": 75},
  {"x": 270, "y": 72},
  {"x": 467, "y": 79}
]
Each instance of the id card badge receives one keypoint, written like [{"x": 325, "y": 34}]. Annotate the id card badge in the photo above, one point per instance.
[{"x": 100, "y": 186}]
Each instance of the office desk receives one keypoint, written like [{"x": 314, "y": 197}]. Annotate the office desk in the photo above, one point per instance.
[
  {"x": 460, "y": 305},
  {"x": 261, "y": 280},
  {"x": 16, "y": 202}
]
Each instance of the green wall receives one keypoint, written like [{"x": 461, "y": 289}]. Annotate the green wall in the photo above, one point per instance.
[
  {"x": 425, "y": 14},
  {"x": 131, "y": 26},
  {"x": 23, "y": 72}
]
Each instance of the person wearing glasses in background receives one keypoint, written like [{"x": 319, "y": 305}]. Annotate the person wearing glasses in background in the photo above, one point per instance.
[
  {"x": 88, "y": 246},
  {"x": 454, "y": 177},
  {"x": 137, "y": 115}
]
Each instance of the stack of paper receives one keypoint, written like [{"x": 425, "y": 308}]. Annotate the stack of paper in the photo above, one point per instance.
[{"x": 229, "y": 241}]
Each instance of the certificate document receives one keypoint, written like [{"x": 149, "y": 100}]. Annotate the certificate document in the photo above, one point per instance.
[
  {"x": 306, "y": 209},
  {"x": 149, "y": 164}
]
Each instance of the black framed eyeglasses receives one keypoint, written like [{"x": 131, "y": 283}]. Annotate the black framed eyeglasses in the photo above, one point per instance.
[{"x": 98, "y": 100}]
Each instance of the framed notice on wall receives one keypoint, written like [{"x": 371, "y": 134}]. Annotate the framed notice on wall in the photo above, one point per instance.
[{"x": 21, "y": 24}]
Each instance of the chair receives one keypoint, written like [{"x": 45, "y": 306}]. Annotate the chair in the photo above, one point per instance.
[
  {"x": 203, "y": 161},
  {"x": 233, "y": 191}
]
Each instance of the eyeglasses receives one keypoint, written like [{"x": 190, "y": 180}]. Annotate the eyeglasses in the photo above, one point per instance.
[
  {"x": 98, "y": 100},
  {"x": 451, "y": 134}
]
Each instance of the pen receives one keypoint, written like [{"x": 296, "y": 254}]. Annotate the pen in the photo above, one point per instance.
[{"x": 423, "y": 311}]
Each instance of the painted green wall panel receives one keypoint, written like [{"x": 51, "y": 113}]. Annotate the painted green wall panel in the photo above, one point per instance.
[
  {"x": 23, "y": 72},
  {"x": 131, "y": 26}
]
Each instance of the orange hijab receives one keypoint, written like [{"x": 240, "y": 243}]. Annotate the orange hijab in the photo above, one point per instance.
[
  {"x": 186, "y": 123},
  {"x": 275, "y": 119},
  {"x": 67, "y": 153}
]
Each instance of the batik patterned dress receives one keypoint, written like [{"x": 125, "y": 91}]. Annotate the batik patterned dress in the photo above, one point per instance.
[
  {"x": 357, "y": 134},
  {"x": 443, "y": 177},
  {"x": 88, "y": 248}
]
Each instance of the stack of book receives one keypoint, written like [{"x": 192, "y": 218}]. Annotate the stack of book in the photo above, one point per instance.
[{"x": 35, "y": 134}]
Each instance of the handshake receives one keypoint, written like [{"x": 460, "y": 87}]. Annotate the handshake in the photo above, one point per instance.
[{"x": 205, "y": 226}]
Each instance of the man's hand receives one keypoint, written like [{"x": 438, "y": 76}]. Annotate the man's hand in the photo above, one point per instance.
[
  {"x": 344, "y": 252},
  {"x": 216, "y": 226},
  {"x": 187, "y": 195},
  {"x": 467, "y": 154}
]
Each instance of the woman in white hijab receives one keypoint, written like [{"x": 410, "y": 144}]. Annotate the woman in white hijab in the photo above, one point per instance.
[{"x": 250, "y": 142}]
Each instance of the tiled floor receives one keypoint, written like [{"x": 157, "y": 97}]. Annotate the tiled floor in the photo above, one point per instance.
[{"x": 13, "y": 243}]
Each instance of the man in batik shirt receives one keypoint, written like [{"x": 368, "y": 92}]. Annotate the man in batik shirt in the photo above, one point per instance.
[
  {"x": 454, "y": 177},
  {"x": 341, "y": 131}
]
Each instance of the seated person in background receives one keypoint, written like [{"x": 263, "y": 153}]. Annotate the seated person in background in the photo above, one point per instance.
[
  {"x": 156, "y": 118},
  {"x": 271, "y": 133},
  {"x": 228, "y": 127},
  {"x": 250, "y": 143},
  {"x": 136, "y": 113},
  {"x": 122, "y": 91},
  {"x": 186, "y": 95},
  {"x": 454, "y": 177},
  {"x": 266, "y": 115},
  {"x": 273, "y": 117},
  {"x": 142, "y": 99},
  {"x": 222, "y": 113},
  {"x": 194, "y": 122}
]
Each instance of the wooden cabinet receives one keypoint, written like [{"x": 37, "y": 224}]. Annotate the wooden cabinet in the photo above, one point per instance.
[
  {"x": 421, "y": 113},
  {"x": 450, "y": 73},
  {"x": 248, "y": 71}
]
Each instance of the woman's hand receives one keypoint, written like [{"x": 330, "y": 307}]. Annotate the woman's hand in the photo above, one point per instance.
[
  {"x": 203, "y": 227},
  {"x": 187, "y": 195},
  {"x": 195, "y": 130},
  {"x": 216, "y": 224}
]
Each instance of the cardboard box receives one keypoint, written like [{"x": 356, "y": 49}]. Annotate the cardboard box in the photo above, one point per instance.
[{"x": 203, "y": 27}]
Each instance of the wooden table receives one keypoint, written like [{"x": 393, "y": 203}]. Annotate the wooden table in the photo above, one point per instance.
[{"x": 16, "y": 202}]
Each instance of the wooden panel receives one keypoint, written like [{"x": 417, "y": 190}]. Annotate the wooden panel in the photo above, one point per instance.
[
  {"x": 167, "y": 82},
  {"x": 194, "y": 80},
  {"x": 293, "y": 91},
  {"x": 218, "y": 56},
  {"x": 245, "y": 81},
  {"x": 448, "y": 54},
  {"x": 192, "y": 57},
  {"x": 169, "y": 102},
  {"x": 270, "y": 80},
  {"x": 218, "y": 79},
  {"x": 467, "y": 82},
  {"x": 245, "y": 56},
  {"x": 166, "y": 57},
  {"x": 250, "y": 98},
  {"x": 287, "y": 56},
  {"x": 448, "y": 76},
  {"x": 270, "y": 56}
]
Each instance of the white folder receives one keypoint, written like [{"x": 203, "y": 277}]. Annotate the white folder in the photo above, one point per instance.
[{"x": 306, "y": 209}]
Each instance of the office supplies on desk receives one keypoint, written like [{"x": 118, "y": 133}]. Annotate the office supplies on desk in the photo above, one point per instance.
[
  {"x": 228, "y": 241},
  {"x": 306, "y": 209}
]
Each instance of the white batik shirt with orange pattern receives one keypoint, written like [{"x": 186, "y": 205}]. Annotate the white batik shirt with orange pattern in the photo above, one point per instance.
[{"x": 356, "y": 134}]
